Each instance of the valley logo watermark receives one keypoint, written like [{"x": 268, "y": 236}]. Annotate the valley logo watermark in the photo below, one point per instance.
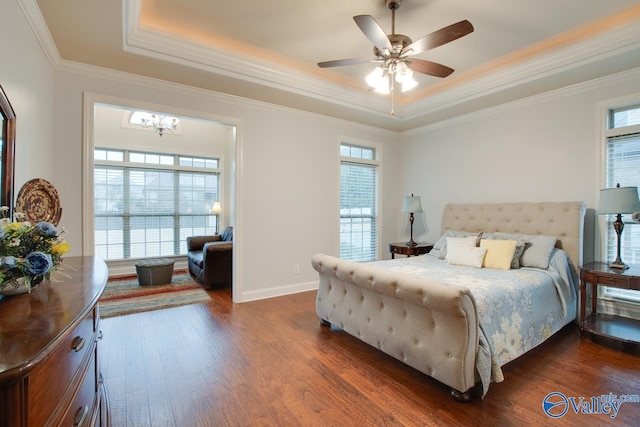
[{"x": 556, "y": 404}]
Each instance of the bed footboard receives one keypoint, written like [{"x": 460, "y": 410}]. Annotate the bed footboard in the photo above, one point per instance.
[{"x": 430, "y": 326}]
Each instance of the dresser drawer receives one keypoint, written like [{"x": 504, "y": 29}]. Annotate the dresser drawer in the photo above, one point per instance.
[
  {"x": 82, "y": 408},
  {"x": 50, "y": 381}
]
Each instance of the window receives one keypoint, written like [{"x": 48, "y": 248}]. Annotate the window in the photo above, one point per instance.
[
  {"x": 147, "y": 204},
  {"x": 622, "y": 165},
  {"x": 358, "y": 203}
]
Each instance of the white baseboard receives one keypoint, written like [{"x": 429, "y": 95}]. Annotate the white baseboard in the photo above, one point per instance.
[{"x": 279, "y": 291}]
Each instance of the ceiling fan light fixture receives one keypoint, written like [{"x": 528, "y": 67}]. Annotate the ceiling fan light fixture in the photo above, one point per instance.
[
  {"x": 403, "y": 73},
  {"x": 394, "y": 51},
  {"x": 378, "y": 79},
  {"x": 408, "y": 84}
]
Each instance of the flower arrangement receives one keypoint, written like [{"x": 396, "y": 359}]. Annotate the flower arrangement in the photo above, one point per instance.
[{"x": 28, "y": 252}]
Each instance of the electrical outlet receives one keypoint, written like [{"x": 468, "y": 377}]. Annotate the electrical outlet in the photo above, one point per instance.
[{"x": 296, "y": 269}]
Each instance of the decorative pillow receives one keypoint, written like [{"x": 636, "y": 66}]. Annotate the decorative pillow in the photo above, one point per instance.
[
  {"x": 520, "y": 247},
  {"x": 499, "y": 253},
  {"x": 461, "y": 242},
  {"x": 466, "y": 256},
  {"x": 538, "y": 250},
  {"x": 441, "y": 244}
]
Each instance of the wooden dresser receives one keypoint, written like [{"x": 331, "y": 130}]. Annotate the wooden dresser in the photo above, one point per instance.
[{"x": 49, "y": 370}]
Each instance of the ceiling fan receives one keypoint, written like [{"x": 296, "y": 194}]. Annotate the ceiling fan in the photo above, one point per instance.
[{"x": 394, "y": 52}]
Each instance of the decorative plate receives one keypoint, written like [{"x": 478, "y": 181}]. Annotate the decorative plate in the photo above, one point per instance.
[{"x": 38, "y": 200}]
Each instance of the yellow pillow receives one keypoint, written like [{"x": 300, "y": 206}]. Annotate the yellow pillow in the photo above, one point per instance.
[{"x": 499, "y": 253}]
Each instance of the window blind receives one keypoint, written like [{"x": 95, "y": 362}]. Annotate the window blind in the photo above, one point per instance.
[
  {"x": 146, "y": 205},
  {"x": 358, "y": 204},
  {"x": 623, "y": 167}
]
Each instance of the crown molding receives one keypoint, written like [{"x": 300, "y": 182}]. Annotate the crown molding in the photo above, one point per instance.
[
  {"x": 617, "y": 42},
  {"x": 273, "y": 75},
  {"x": 268, "y": 74},
  {"x": 622, "y": 77},
  {"x": 210, "y": 95},
  {"x": 35, "y": 19},
  {"x": 166, "y": 47}
]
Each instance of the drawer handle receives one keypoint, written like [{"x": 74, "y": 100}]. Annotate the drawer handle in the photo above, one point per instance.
[
  {"x": 77, "y": 344},
  {"x": 80, "y": 416}
]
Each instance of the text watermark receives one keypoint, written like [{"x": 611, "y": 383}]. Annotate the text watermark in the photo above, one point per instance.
[{"x": 556, "y": 404}]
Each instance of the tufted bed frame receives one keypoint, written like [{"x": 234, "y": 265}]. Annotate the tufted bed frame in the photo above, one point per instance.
[{"x": 431, "y": 327}]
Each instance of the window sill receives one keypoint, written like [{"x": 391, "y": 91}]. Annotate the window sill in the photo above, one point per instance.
[{"x": 127, "y": 267}]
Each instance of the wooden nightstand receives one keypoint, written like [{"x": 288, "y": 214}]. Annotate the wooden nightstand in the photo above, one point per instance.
[
  {"x": 619, "y": 328},
  {"x": 404, "y": 249}
]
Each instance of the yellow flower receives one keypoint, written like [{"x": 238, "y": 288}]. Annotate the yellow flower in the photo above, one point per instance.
[
  {"x": 61, "y": 248},
  {"x": 12, "y": 226}
]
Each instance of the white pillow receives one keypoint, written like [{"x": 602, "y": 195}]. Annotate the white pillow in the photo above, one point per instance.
[
  {"x": 466, "y": 256},
  {"x": 461, "y": 242},
  {"x": 441, "y": 244}
]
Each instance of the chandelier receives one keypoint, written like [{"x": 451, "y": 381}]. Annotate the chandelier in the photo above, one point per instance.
[{"x": 160, "y": 123}]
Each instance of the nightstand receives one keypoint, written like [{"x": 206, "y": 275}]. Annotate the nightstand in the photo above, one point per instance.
[
  {"x": 404, "y": 249},
  {"x": 619, "y": 328}
]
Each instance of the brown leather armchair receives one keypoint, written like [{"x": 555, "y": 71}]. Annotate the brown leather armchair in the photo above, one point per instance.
[{"x": 210, "y": 258}]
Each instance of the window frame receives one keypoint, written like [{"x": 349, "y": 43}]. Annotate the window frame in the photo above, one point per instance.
[
  {"x": 612, "y": 300},
  {"x": 128, "y": 166},
  {"x": 375, "y": 162}
]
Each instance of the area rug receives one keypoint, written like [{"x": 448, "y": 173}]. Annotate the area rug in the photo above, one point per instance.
[{"x": 126, "y": 296}]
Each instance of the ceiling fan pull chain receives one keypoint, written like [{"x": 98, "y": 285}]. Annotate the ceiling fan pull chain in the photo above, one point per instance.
[{"x": 391, "y": 89}]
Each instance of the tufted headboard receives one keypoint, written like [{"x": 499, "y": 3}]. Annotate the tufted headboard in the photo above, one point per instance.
[{"x": 565, "y": 220}]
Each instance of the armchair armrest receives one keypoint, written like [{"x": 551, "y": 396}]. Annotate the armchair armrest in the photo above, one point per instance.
[
  {"x": 211, "y": 248},
  {"x": 196, "y": 243}
]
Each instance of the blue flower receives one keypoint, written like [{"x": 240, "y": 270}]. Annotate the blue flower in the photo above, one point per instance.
[
  {"x": 39, "y": 263},
  {"x": 46, "y": 229},
  {"x": 8, "y": 262}
]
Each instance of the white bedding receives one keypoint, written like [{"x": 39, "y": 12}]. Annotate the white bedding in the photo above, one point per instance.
[{"x": 517, "y": 309}]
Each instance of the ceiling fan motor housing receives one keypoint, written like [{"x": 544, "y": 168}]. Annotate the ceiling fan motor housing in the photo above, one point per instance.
[{"x": 398, "y": 42}]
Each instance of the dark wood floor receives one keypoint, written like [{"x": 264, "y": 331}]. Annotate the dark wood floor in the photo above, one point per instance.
[{"x": 269, "y": 363}]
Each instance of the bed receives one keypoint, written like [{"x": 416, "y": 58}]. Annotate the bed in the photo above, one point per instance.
[{"x": 455, "y": 323}]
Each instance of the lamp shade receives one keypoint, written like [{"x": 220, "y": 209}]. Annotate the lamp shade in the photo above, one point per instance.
[
  {"x": 412, "y": 204},
  {"x": 217, "y": 209},
  {"x": 618, "y": 200}
]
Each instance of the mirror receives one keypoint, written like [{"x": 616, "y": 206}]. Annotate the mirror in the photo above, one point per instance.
[{"x": 7, "y": 151}]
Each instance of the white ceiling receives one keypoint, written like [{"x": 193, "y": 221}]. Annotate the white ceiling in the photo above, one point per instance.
[{"x": 268, "y": 49}]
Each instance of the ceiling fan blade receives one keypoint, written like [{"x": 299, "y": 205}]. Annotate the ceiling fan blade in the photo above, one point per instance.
[
  {"x": 341, "y": 62},
  {"x": 373, "y": 31},
  {"x": 430, "y": 68},
  {"x": 440, "y": 37}
]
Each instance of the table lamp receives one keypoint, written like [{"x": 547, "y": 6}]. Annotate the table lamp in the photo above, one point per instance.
[
  {"x": 411, "y": 205},
  {"x": 217, "y": 210},
  {"x": 618, "y": 201}
]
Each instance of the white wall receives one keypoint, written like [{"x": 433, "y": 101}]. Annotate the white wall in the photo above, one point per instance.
[
  {"x": 288, "y": 165},
  {"x": 27, "y": 79},
  {"x": 287, "y": 175},
  {"x": 545, "y": 148},
  {"x": 539, "y": 149}
]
